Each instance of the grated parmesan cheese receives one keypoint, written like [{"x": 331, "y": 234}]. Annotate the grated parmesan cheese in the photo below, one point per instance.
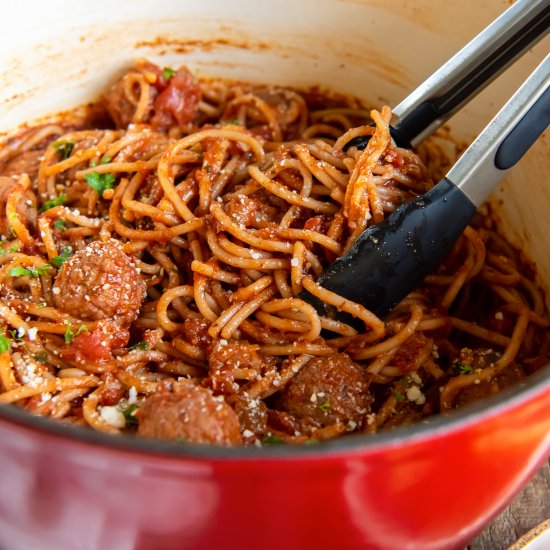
[{"x": 113, "y": 416}]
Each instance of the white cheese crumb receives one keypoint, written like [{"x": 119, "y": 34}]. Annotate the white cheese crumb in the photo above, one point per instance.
[
  {"x": 248, "y": 433},
  {"x": 132, "y": 395},
  {"x": 256, "y": 255},
  {"x": 113, "y": 416},
  {"x": 56, "y": 290},
  {"x": 21, "y": 332},
  {"x": 313, "y": 398},
  {"x": 371, "y": 418},
  {"x": 45, "y": 397},
  {"x": 32, "y": 333},
  {"x": 223, "y": 342},
  {"x": 415, "y": 395},
  {"x": 499, "y": 316},
  {"x": 294, "y": 262}
]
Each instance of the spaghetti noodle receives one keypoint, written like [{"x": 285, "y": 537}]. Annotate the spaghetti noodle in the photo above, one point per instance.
[{"x": 154, "y": 250}]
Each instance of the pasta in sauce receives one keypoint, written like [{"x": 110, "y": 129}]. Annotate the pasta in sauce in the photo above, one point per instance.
[{"x": 154, "y": 249}]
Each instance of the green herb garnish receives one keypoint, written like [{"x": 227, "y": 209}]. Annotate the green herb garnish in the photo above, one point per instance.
[
  {"x": 465, "y": 368},
  {"x": 63, "y": 148},
  {"x": 62, "y": 199},
  {"x": 312, "y": 442},
  {"x": 325, "y": 406},
  {"x": 399, "y": 395},
  {"x": 69, "y": 334},
  {"x": 34, "y": 272},
  {"x": 66, "y": 253},
  {"x": 60, "y": 224},
  {"x": 129, "y": 413},
  {"x": 10, "y": 250},
  {"x": 41, "y": 357},
  {"x": 271, "y": 439},
  {"x": 14, "y": 336},
  {"x": 232, "y": 122},
  {"x": 143, "y": 346},
  {"x": 168, "y": 73},
  {"x": 100, "y": 182},
  {"x": 5, "y": 343}
]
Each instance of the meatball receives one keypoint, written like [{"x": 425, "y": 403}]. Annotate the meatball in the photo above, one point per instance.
[
  {"x": 326, "y": 391},
  {"x": 100, "y": 282},
  {"x": 185, "y": 411}
]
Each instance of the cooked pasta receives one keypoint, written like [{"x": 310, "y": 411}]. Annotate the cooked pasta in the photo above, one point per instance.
[{"x": 155, "y": 245}]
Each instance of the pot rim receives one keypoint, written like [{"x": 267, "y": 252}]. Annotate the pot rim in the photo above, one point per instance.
[{"x": 429, "y": 428}]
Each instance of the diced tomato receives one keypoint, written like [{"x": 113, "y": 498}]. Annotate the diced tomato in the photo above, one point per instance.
[
  {"x": 178, "y": 103},
  {"x": 97, "y": 345}
]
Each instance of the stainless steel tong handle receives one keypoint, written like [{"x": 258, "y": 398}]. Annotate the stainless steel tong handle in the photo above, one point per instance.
[
  {"x": 506, "y": 138},
  {"x": 470, "y": 70}
]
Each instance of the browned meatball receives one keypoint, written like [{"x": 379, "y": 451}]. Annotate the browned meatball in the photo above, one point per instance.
[
  {"x": 185, "y": 411},
  {"x": 328, "y": 390},
  {"x": 100, "y": 282}
]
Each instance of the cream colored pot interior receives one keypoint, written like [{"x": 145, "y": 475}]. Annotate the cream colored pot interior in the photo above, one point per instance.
[{"x": 58, "y": 54}]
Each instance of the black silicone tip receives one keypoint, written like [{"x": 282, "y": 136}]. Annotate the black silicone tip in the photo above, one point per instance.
[
  {"x": 390, "y": 259},
  {"x": 362, "y": 141},
  {"x": 525, "y": 133}
]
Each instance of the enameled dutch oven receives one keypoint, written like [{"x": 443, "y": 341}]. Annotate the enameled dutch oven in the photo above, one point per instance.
[{"x": 432, "y": 486}]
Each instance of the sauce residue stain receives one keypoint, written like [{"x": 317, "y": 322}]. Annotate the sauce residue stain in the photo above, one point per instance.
[{"x": 188, "y": 45}]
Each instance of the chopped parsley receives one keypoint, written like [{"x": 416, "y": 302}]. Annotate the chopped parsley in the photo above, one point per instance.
[
  {"x": 9, "y": 250},
  {"x": 14, "y": 336},
  {"x": 143, "y": 346},
  {"x": 312, "y": 442},
  {"x": 63, "y": 148},
  {"x": 60, "y": 224},
  {"x": 400, "y": 396},
  {"x": 271, "y": 439},
  {"x": 69, "y": 334},
  {"x": 100, "y": 182},
  {"x": 66, "y": 253},
  {"x": 168, "y": 73},
  {"x": 129, "y": 413},
  {"x": 232, "y": 122},
  {"x": 34, "y": 272},
  {"x": 5, "y": 343},
  {"x": 41, "y": 357},
  {"x": 325, "y": 406},
  {"x": 465, "y": 368},
  {"x": 62, "y": 199}
]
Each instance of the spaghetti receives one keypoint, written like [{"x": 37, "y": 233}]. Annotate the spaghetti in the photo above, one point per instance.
[{"x": 154, "y": 249}]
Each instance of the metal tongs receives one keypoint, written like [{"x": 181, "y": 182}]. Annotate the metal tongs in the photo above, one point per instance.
[{"x": 390, "y": 259}]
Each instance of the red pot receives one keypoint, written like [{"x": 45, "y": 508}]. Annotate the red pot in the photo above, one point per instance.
[{"x": 431, "y": 487}]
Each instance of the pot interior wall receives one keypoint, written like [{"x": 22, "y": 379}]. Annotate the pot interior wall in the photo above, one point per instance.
[{"x": 65, "y": 56}]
